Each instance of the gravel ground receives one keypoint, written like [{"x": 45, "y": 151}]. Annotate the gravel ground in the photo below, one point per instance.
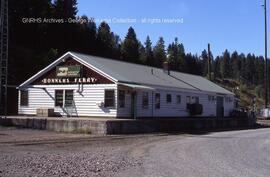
[
  {"x": 243, "y": 153},
  {"x": 42, "y": 153}
]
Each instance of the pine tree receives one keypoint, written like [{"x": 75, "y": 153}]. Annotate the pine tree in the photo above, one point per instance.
[
  {"x": 176, "y": 55},
  {"x": 130, "y": 47},
  {"x": 250, "y": 66},
  {"x": 225, "y": 65},
  {"x": 191, "y": 64},
  {"x": 217, "y": 68},
  {"x": 159, "y": 53},
  {"x": 243, "y": 68},
  {"x": 148, "y": 52},
  {"x": 235, "y": 65},
  {"x": 105, "y": 40},
  {"x": 65, "y": 9},
  {"x": 142, "y": 54},
  {"x": 204, "y": 58},
  {"x": 116, "y": 46}
]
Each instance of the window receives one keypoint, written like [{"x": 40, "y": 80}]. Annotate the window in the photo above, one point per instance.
[
  {"x": 59, "y": 97},
  {"x": 178, "y": 99},
  {"x": 24, "y": 98},
  {"x": 196, "y": 100},
  {"x": 211, "y": 98},
  {"x": 64, "y": 98},
  {"x": 228, "y": 99},
  {"x": 68, "y": 98},
  {"x": 122, "y": 98},
  {"x": 109, "y": 99},
  {"x": 145, "y": 100},
  {"x": 188, "y": 101},
  {"x": 169, "y": 98},
  {"x": 157, "y": 101}
]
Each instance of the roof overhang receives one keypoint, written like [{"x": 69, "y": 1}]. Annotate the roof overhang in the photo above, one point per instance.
[{"x": 137, "y": 86}]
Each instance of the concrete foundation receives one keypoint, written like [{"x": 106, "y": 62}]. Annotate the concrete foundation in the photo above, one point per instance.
[{"x": 124, "y": 126}]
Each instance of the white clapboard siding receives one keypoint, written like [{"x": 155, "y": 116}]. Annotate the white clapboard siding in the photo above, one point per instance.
[
  {"x": 85, "y": 103},
  {"x": 174, "y": 109}
]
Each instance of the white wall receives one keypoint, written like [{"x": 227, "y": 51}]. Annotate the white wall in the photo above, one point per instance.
[
  {"x": 85, "y": 103},
  {"x": 173, "y": 109}
]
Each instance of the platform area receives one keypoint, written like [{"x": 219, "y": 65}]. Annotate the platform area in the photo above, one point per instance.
[{"x": 109, "y": 126}]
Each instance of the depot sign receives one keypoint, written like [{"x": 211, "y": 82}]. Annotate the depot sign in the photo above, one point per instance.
[
  {"x": 89, "y": 80},
  {"x": 68, "y": 71},
  {"x": 69, "y": 75}
]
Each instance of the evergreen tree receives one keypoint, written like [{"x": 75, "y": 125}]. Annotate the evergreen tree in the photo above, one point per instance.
[
  {"x": 225, "y": 64},
  {"x": 130, "y": 47},
  {"x": 159, "y": 53},
  {"x": 243, "y": 68},
  {"x": 191, "y": 64},
  {"x": 65, "y": 9},
  {"x": 116, "y": 46},
  {"x": 105, "y": 40},
  {"x": 250, "y": 66},
  {"x": 235, "y": 65},
  {"x": 176, "y": 55},
  {"x": 148, "y": 52},
  {"x": 204, "y": 65},
  {"x": 217, "y": 70}
]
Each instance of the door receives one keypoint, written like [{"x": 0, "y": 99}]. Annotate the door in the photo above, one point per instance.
[
  {"x": 133, "y": 105},
  {"x": 220, "y": 107}
]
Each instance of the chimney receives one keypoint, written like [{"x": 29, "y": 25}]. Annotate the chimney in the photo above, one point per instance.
[{"x": 166, "y": 67}]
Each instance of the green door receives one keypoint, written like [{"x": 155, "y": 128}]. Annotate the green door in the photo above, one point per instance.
[{"x": 220, "y": 107}]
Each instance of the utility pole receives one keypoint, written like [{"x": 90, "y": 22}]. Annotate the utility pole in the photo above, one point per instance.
[
  {"x": 3, "y": 55},
  {"x": 209, "y": 62},
  {"x": 265, "y": 57}
]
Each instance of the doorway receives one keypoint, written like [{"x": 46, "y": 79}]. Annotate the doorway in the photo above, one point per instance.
[
  {"x": 133, "y": 105},
  {"x": 220, "y": 107}
]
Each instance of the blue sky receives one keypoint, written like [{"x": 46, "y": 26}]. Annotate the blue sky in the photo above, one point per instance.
[{"x": 226, "y": 24}]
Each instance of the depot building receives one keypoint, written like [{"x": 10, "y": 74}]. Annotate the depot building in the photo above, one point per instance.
[{"x": 80, "y": 85}]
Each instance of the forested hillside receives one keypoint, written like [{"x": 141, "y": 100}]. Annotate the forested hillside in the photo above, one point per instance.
[{"x": 35, "y": 45}]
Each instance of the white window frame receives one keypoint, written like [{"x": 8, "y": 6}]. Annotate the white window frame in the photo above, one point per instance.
[{"x": 114, "y": 104}]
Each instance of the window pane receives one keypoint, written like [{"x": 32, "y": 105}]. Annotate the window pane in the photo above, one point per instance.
[
  {"x": 145, "y": 100},
  {"x": 169, "y": 98},
  {"x": 157, "y": 101},
  {"x": 122, "y": 98},
  {"x": 68, "y": 98},
  {"x": 58, "y": 97},
  {"x": 188, "y": 100},
  {"x": 109, "y": 98},
  {"x": 24, "y": 98},
  {"x": 178, "y": 99},
  {"x": 197, "y": 101}
]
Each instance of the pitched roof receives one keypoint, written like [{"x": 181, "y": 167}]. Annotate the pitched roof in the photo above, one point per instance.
[
  {"x": 124, "y": 72},
  {"x": 141, "y": 74}
]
